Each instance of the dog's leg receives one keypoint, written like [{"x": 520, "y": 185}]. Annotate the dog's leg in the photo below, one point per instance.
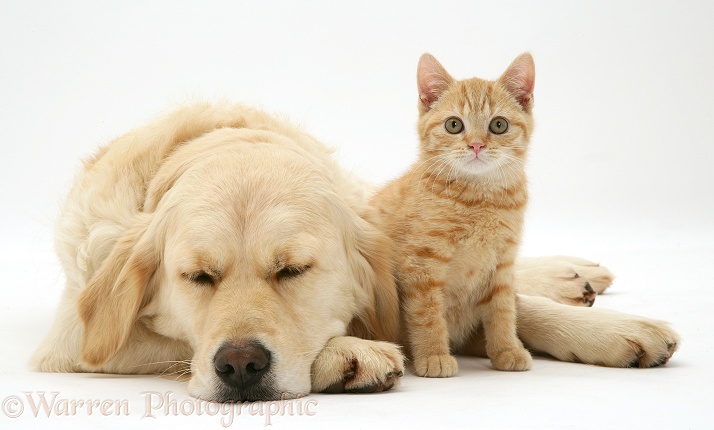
[
  {"x": 59, "y": 351},
  {"x": 567, "y": 280},
  {"x": 594, "y": 336},
  {"x": 354, "y": 365}
]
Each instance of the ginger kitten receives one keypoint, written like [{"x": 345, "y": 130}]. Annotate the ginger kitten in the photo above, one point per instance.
[{"x": 456, "y": 216}]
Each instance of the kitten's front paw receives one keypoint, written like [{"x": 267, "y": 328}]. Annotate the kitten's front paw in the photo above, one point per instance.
[
  {"x": 514, "y": 360},
  {"x": 353, "y": 365},
  {"x": 436, "y": 366}
]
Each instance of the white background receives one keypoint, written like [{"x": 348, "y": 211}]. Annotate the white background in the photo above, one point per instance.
[{"x": 620, "y": 167}]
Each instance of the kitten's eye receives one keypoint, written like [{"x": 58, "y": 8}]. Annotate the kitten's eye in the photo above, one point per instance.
[
  {"x": 498, "y": 125},
  {"x": 454, "y": 125}
]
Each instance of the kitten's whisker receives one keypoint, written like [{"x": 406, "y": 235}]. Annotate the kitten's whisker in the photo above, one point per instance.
[
  {"x": 435, "y": 162},
  {"x": 444, "y": 163},
  {"x": 448, "y": 179},
  {"x": 432, "y": 160},
  {"x": 508, "y": 170}
]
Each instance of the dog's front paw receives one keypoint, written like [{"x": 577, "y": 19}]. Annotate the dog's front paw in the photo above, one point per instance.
[
  {"x": 642, "y": 343},
  {"x": 513, "y": 360},
  {"x": 436, "y": 366},
  {"x": 572, "y": 289},
  {"x": 567, "y": 280},
  {"x": 353, "y": 365}
]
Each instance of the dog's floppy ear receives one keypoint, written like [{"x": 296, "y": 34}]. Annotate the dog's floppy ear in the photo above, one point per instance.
[
  {"x": 372, "y": 267},
  {"x": 111, "y": 301}
]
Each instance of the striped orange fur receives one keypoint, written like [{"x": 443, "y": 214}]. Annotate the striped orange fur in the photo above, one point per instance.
[{"x": 456, "y": 216}]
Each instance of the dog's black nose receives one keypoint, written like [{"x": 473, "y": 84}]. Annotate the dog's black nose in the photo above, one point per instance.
[{"x": 241, "y": 365}]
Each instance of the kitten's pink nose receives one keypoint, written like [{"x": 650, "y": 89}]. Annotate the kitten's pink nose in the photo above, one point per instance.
[{"x": 476, "y": 146}]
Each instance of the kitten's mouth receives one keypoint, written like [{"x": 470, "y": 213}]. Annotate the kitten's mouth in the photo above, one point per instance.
[
  {"x": 476, "y": 163},
  {"x": 475, "y": 158}
]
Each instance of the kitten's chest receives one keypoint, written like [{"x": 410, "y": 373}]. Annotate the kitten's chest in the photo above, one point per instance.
[
  {"x": 484, "y": 229},
  {"x": 477, "y": 249}
]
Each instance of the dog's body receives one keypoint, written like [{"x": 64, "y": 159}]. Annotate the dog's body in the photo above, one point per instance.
[{"x": 225, "y": 242}]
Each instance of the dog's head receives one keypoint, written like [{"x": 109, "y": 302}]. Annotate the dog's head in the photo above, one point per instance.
[{"x": 246, "y": 251}]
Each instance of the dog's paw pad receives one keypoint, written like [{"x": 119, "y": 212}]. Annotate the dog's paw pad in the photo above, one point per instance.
[
  {"x": 353, "y": 365},
  {"x": 588, "y": 295},
  {"x": 652, "y": 355},
  {"x": 372, "y": 378}
]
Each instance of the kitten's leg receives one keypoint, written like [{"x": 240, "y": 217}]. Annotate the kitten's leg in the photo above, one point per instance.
[
  {"x": 594, "y": 336},
  {"x": 354, "y": 365},
  {"x": 567, "y": 280},
  {"x": 428, "y": 334},
  {"x": 499, "y": 323}
]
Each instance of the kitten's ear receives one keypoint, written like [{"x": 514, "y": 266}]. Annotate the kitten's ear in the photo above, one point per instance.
[
  {"x": 432, "y": 79},
  {"x": 519, "y": 80}
]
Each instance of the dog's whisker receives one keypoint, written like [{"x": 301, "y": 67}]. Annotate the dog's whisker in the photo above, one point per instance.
[{"x": 172, "y": 362}]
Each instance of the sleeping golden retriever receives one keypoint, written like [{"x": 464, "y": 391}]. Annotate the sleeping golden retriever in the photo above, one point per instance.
[{"x": 223, "y": 242}]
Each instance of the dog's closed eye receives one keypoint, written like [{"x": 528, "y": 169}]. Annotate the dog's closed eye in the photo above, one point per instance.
[
  {"x": 290, "y": 272},
  {"x": 202, "y": 278}
]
